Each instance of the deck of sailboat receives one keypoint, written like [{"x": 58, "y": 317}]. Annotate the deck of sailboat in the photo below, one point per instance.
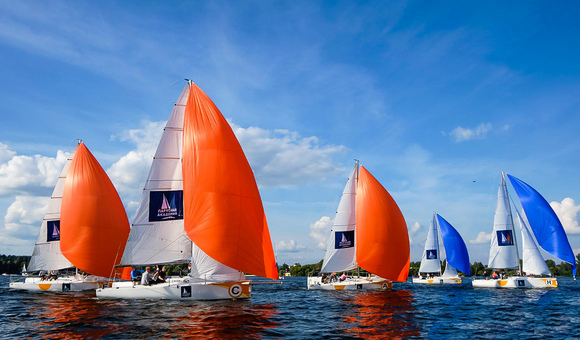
[
  {"x": 350, "y": 283},
  {"x": 517, "y": 282},
  {"x": 61, "y": 284},
  {"x": 178, "y": 289},
  {"x": 437, "y": 280}
]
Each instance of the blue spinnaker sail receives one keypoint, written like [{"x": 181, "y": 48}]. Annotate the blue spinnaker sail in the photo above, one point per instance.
[
  {"x": 545, "y": 224},
  {"x": 455, "y": 248}
]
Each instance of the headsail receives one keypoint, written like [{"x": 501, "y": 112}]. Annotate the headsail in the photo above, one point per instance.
[
  {"x": 94, "y": 225},
  {"x": 340, "y": 247},
  {"x": 430, "y": 261},
  {"x": 503, "y": 253},
  {"x": 450, "y": 271},
  {"x": 46, "y": 254},
  {"x": 381, "y": 233},
  {"x": 545, "y": 224},
  {"x": 223, "y": 210},
  {"x": 455, "y": 249},
  {"x": 533, "y": 262}
]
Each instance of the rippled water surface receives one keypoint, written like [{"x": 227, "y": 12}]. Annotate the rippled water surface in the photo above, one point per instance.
[{"x": 292, "y": 312}]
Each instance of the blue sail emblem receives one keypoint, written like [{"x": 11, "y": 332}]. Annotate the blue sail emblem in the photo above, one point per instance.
[
  {"x": 505, "y": 238},
  {"x": 544, "y": 222},
  {"x": 344, "y": 239},
  {"x": 53, "y": 231},
  {"x": 165, "y": 205},
  {"x": 431, "y": 254}
]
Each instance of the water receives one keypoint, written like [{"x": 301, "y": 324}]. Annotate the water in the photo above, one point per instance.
[{"x": 290, "y": 311}]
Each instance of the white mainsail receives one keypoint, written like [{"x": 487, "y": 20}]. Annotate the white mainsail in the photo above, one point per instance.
[
  {"x": 533, "y": 261},
  {"x": 343, "y": 257},
  {"x": 162, "y": 241},
  {"x": 503, "y": 252},
  {"x": 46, "y": 255},
  {"x": 430, "y": 259},
  {"x": 161, "y": 238}
]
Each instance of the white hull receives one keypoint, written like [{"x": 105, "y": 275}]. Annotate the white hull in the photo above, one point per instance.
[
  {"x": 178, "y": 289},
  {"x": 315, "y": 282},
  {"x": 517, "y": 282},
  {"x": 438, "y": 280},
  {"x": 62, "y": 284}
]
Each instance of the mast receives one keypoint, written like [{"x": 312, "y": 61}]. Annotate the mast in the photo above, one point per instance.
[
  {"x": 437, "y": 244},
  {"x": 512, "y": 219},
  {"x": 356, "y": 241}
]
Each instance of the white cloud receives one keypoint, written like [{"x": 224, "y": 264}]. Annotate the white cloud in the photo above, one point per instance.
[
  {"x": 482, "y": 237},
  {"x": 567, "y": 212},
  {"x": 463, "y": 134},
  {"x": 5, "y": 153},
  {"x": 29, "y": 174},
  {"x": 413, "y": 229},
  {"x": 320, "y": 230},
  {"x": 22, "y": 220},
  {"x": 288, "y": 247},
  {"x": 280, "y": 158},
  {"x": 131, "y": 170}
]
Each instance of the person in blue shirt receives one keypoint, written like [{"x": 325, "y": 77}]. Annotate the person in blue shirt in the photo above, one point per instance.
[{"x": 135, "y": 275}]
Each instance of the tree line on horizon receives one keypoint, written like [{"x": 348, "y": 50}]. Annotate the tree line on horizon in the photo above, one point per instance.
[
  {"x": 477, "y": 268},
  {"x": 12, "y": 264}
]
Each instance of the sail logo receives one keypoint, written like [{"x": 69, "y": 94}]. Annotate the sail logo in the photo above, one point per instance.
[
  {"x": 344, "y": 239},
  {"x": 186, "y": 291},
  {"x": 431, "y": 254},
  {"x": 505, "y": 238},
  {"x": 165, "y": 205},
  {"x": 53, "y": 231}
]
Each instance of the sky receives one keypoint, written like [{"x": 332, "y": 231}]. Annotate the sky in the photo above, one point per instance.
[{"x": 434, "y": 98}]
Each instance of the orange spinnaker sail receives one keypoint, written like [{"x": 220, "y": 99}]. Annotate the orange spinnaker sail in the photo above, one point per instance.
[
  {"x": 223, "y": 212},
  {"x": 93, "y": 223},
  {"x": 381, "y": 231}
]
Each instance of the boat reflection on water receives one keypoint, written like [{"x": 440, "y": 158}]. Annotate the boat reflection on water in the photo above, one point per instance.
[
  {"x": 81, "y": 316},
  {"x": 71, "y": 316},
  {"x": 226, "y": 320},
  {"x": 381, "y": 315}
]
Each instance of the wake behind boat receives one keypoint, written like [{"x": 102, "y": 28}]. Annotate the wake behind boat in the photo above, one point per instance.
[
  {"x": 546, "y": 228},
  {"x": 200, "y": 204},
  {"x": 455, "y": 251},
  {"x": 366, "y": 220}
]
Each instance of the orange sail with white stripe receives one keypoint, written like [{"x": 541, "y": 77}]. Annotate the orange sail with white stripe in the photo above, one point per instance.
[
  {"x": 381, "y": 231},
  {"x": 223, "y": 212},
  {"x": 94, "y": 224}
]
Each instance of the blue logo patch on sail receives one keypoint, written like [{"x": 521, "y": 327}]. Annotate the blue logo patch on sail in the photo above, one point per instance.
[
  {"x": 343, "y": 239},
  {"x": 431, "y": 254},
  {"x": 505, "y": 238},
  {"x": 165, "y": 205},
  {"x": 53, "y": 231}
]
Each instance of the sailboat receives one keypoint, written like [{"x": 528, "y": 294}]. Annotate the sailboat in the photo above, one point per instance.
[
  {"x": 368, "y": 231},
  {"x": 201, "y": 204},
  {"x": 548, "y": 232},
  {"x": 23, "y": 272},
  {"x": 84, "y": 226},
  {"x": 455, "y": 251}
]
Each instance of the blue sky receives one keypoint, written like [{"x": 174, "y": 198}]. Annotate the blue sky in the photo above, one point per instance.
[{"x": 434, "y": 99}]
